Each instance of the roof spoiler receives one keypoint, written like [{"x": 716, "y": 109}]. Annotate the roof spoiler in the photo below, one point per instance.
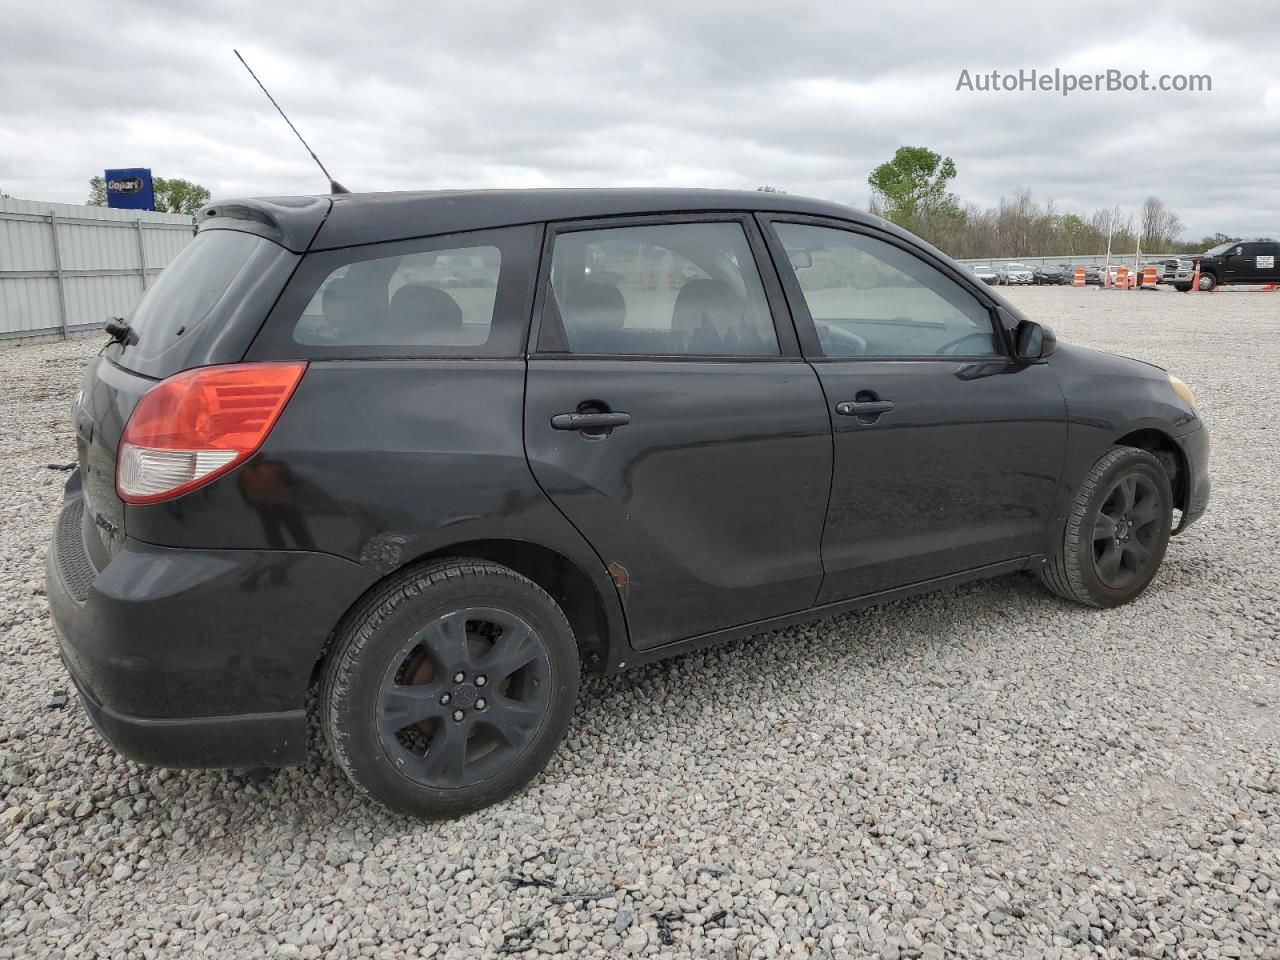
[{"x": 291, "y": 222}]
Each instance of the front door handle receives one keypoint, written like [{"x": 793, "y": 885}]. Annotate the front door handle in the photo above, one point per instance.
[
  {"x": 863, "y": 408},
  {"x": 589, "y": 421}
]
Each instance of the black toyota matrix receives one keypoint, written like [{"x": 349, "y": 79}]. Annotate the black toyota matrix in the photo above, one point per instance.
[{"x": 431, "y": 455}]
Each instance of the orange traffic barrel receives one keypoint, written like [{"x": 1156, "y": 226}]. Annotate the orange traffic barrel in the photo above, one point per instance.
[
  {"x": 1078, "y": 279},
  {"x": 1122, "y": 278},
  {"x": 1150, "y": 277}
]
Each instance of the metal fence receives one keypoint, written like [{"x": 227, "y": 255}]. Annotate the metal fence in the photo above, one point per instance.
[
  {"x": 1079, "y": 259},
  {"x": 65, "y": 268}
]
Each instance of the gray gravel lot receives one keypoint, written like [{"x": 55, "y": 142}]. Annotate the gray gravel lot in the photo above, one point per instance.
[{"x": 987, "y": 771}]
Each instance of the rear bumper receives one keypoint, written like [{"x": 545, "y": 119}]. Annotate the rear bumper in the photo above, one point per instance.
[
  {"x": 195, "y": 658},
  {"x": 251, "y": 740},
  {"x": 1195, "y": 455}
]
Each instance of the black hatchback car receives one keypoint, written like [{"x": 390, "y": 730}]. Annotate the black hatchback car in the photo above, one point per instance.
[{"x": 431, "y": 454}]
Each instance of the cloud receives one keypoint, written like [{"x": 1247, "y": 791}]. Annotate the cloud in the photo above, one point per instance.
[{"x": 805, "y": 96}]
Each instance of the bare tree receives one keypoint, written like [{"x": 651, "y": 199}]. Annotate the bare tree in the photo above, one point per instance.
[{"x": 1160, "y": 225}]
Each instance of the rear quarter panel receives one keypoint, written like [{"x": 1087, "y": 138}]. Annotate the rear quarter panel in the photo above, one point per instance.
[{"x": 382, "y": 462}]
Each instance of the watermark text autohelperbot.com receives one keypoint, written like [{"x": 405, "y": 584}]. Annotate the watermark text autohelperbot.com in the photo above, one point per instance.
[{"x": 1066, "y": 82}]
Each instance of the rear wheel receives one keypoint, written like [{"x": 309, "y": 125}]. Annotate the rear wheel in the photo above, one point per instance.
[
  {"x": 449, "y": 688},
  {"x": 1116, "y": 532},
  {"x": 1208, "y": 281}
]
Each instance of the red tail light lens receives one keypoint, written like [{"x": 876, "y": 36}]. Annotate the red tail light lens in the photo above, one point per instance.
[{"x": 198, "y": 425}]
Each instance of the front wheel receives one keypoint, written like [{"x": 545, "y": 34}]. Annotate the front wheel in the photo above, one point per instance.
[
  {"x": 1208, "y": 282},
  {"x": 1116, "y": 532},
  {"x": 449, "y": 688},
  {"x": 1182, "y": 287}
]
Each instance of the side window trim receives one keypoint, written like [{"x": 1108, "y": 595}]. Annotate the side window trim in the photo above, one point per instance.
[
  {"x": 799, "y": 307},
  {"x": 546, "y": 332}
]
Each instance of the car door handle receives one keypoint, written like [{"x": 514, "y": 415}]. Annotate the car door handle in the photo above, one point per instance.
[
  {"x": 863, "y": 408},
  {"x": 589, "y": 421}
]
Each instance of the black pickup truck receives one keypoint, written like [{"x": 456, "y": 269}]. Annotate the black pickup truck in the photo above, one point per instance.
[{"x": 1237, "y": 262}]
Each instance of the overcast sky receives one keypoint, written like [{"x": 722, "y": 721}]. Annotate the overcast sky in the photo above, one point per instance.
[{"x": 807, "y": 97}]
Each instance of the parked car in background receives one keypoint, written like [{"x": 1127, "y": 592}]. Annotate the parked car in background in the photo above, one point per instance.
[
  {"x": 985, "y": 272},
  {"x": 1014, "y": 273},
  {"x": 310, "y": 477},
  {"x": 1238, "y": 262},
  {"x": 1051, "y": 274},
  {"x": 1093, "y": 275}
]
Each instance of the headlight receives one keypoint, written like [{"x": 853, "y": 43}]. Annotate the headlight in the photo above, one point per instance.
[{"x": 1182, "y": 390}]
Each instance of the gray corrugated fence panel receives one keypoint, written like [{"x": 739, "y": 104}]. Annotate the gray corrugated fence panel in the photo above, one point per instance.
[
  {"x": 102, "y": 253},
  {"x": 25, "y": 245},
  {"x": 93, "y": 299},
  {"x": 163, "y": 245},
  {"x": 29, "y": 304}
]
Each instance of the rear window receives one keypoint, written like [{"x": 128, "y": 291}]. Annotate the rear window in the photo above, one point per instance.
[{"x": 207, "y": 304}]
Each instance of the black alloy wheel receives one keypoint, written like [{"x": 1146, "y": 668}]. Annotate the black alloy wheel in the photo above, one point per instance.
[
  {"x": 464, "y": 697},
  {"x": 1127, "y": 531},
  {"x": 449, "y": 687},
  {"x": 1117, "y": 529}
]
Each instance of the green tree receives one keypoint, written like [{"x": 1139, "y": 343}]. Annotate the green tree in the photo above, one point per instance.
[
  {"x": 912, "y": 184},
  {"x": 173, "y": 195},
  {"x": 1215, "y": 239}
]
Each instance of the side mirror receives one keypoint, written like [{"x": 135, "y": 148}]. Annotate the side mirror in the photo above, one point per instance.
[{"x": 1033, "y": 342}]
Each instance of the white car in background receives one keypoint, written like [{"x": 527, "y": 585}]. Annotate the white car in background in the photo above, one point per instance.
[
  {"x": 1014, "y": 273},
  {"x": 985, "y": 273}
]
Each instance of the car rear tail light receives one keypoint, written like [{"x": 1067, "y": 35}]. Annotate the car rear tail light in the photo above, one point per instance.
[{"x": 198, "y": 425}]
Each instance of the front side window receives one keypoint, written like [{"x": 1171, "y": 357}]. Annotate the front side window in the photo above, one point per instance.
[
  {"x": 434, "y": 298},
  {"x": 874, "y": 299},
  {"x": 687, "y": 289}
]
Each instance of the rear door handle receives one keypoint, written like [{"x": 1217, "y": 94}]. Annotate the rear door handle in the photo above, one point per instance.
[
  {"x": 863, "y": 408},
  {"x": 589, "y": 421}
]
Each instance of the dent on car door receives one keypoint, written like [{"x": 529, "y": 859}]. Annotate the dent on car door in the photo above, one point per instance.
[
  {"x": 676, "y": 425},
  {"x": 947, "y": 452}
]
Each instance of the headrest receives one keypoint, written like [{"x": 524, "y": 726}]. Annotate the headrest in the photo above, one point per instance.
[
  {"x": 596, "y": 306},
  {"x": 423, "y": 307},
  {"x": 713, "y": 300}
]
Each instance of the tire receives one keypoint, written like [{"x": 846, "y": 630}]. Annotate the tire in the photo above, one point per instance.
[
  {"x": 1208, "y": 282},
  {"x": 399, "y": 655},
  {"x": 1120, "y": 569},
  {"x": 1182, "y": 287}
]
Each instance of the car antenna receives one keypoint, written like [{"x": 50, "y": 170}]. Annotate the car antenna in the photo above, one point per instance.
[{"x": 334, "y": 185}]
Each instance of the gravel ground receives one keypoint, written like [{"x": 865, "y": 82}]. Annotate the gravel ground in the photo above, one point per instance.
[{"x": 986, "y": 771}]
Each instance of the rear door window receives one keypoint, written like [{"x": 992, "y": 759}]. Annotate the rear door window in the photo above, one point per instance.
[
  {"x": 458, "y": 295},
  {"x": 680, "y": 289}
]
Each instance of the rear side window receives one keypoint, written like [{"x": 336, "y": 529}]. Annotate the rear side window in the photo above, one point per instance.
[
  {"x": 458, "y": 295},
  {"x": 437, "y": 298},
  {"x": 681, "y": 289}
]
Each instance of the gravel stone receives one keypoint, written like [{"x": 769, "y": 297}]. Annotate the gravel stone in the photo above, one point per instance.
[{"x": 984, "y": 772}]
